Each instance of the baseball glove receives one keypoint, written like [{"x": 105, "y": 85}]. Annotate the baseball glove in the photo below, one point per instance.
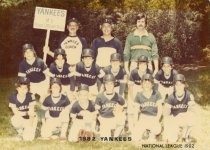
[{"x": 85, "y": 135}]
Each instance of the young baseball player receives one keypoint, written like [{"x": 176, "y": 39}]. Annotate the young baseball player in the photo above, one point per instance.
[
  {"x": 106, "y": 44},
  {"x": 118, "y": 72},
  {"x": 179, "y": 111},
  {"x": 164, "y": 77},
  {"x": 71, "y": 43},
  {"x": 149, "y": 102},
  {"x": 136, "y": 76},
  {"x": 35, "y": 70},
  {"x": 22, "y": 104},
  {"x": 89, "y": 72},
  {"x": 56, "y": 107},
  {"x": 83, "y": 114},
  {"x": 110, "y": 107},
  {"x": 60, "y": 69},
  {"x": 135, "y": 86},
  {"x": 140, "y": 42}
]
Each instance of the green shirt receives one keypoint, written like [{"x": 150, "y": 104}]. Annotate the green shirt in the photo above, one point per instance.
[{"x": 136, "y": 46}]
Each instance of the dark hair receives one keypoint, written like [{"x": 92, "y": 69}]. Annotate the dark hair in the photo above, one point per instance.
[
  {"x": 50, "y": 88},
  {"x": 140, "y": 16},
  {"x": 17, "y": 85},
  {"x": 64, "y": 57}
]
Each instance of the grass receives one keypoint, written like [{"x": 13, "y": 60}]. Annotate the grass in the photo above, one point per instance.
[{"x": 199, "y": 84}]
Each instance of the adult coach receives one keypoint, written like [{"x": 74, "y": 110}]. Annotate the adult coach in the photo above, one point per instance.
[
  {"x": 140, "y": 42},
  {"x": 106, "y": 44},
  {"x": 71, "y": 43}
]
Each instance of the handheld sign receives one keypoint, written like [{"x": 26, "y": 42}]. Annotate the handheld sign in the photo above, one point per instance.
[{"x": 49, "y": 19}]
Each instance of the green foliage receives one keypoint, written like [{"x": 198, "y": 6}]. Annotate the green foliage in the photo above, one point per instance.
[{"x": 199, "y": 85}]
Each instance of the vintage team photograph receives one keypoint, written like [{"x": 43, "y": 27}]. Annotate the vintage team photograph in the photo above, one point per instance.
[{"x": 105, "y": 74}]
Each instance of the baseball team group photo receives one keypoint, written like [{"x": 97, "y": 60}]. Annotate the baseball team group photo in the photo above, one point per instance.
[{"x": 105, "y": 75}]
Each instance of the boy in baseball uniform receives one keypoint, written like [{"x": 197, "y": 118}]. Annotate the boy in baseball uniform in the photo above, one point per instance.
[
  {"x": 35, "y": 70},
  {"x": 179, "y": 111},
  {"x": 118, "y": 72},
  {"x": 56, "y": 109},
  {"x": 106, "y": 44},
  {"x": 22, "y": 103},
  {"x": 164, "y": 77},
  {"x": 60, "y": 69},
  {"x": 110, "y": 108},
  {"x": 83, "y": 114},
  {"x": 149, "y": 102},
  {"x": 89, "y": 72}
]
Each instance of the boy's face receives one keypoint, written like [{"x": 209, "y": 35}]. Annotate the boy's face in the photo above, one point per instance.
[
  {"x": 146, "y": 84},
  {"x": 141, "y": 24},
  {"x": 83, "y": 95},
  {"x": 59, "y": 61},
  {"x": 88, "y": 61},
  {"x": 55, "y": 88},
  {"x": 72, "y": 27},
  {"x": 106, "y": 28},
  {"x": 166, "y": 68},
  {"x": 109, "y": 86},
  {"x": 115, "y": 63},
  {"x": 179, "y": 86},
  {"x": 142, "y": 66},
  {"x": 22, "y": 89},
  {"x": 29, "y": 54}
]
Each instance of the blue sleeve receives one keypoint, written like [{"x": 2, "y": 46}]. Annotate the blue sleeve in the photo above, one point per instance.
[
  {"x": 131, "y": 76},
  {"x": 74, "y": 109},
  {"x": 11, "y": 99},
  {"x": 158, "y": 74},
  {"x": 137, "y": 98},
  {"x": 45, "y": 102},
  {"x": 21, "y": 67},
  {"x": 119, "y": 46},
  {"x": 94, "y": 47},
  {"x": 121, "y": 101},
  {"x": 84, "y": 42},
  {"x": 92, "y": 107}
]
